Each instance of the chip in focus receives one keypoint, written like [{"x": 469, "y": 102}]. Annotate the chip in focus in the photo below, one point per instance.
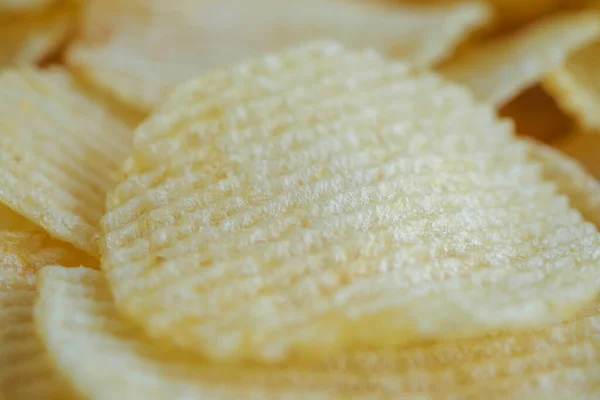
[
  {"x": 499, "y": 70},
  {"x": 139, "y": 50},
  {"x": 106, "y": 357},
  {"x": 312, "y": 211},
  {"x": 31, "y": 38},
  {"x": 60, "y": 151}
]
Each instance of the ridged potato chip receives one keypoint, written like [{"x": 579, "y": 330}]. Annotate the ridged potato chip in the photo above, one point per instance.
[
  {"x": 139, "y": 50},
  {"x": 26, "y": 372},
  {"x": 345, "y": 207},
  {"x": 31, "y": 38},
  {"x": 571, "y": 179},
  {"x": 59, "y": 153},
  {"x": 105, "y": 357},
  {"x": 576, "y": 85},
  {"x": 499, "y": 70}
]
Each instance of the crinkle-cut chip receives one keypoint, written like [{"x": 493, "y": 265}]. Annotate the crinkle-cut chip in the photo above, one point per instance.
[
  {"x": 536, "y": 115},
  {"x": 499, "y": 70},
  {"x": 576, "y": 85},
  {"x": 572, "y": 180},
  {"x": 353, "y": 209},
  {"x": 584, "y": 147},
  {"x": 105, "y": 357},
  {"x": 139, "y": 50},
  {"x": 23, "y": 5},
  {"x": 59, "y": 153},
  {"x": 23, "y": 253},
  {"x": 31, "y": 38},
  {"x": 26, "y": 372}
]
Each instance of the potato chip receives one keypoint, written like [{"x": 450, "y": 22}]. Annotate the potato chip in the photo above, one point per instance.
[
  {"x": 354, "y": 208},
  {"x": 23, "y": 5},
  {"x": 138, "y": 50},
  {"x": 105, "y": 358},
  {"x": 26, "y": 372},
  {"x": 30, "y": 38},
  {"x": 59, "y": 153},
  {"x": 499, "y": 70},
  {"x": 584, "y": 147},
  {"x": 576, "y": 86},
  {"x": 571, "y": 179}
]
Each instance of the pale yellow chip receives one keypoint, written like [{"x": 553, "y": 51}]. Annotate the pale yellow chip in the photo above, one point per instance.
[
  {"x": 571, "y": 179},
  {"x": 59, "y": 152},
  {"x": 139, "y": 50},
  {"x": 105, "y": 357},
  {"x": 576, "y": 86},
  {"x": 342, "y": 207},
  {"x": 31, "y": 38},
  {"x": 26, "y": 372},
  {"x": 499, "y": 70}
]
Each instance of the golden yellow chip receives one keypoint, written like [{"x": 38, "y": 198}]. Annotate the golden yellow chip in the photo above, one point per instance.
[
  {"x": 31, "y": 38},
  {"x": 138, "y": 50},
  {"x": 26, "y": 372},
  {"x": 59, "y": 152},
  {"x": 105, "y": 357},
  {"x": 499, "y": 70},
  {"x": 576, "y": 86},
  {"x": 355, "y": 208}
]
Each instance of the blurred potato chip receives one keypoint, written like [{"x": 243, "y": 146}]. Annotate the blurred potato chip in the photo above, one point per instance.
[
  {"x": 347, "y": 207},
  {"x": 59, "y": 153},
  {"x": 31, "y": 38},
  {"x": 139, "y": 50},
  {"x": 105, "y": 358},
  {"x": 572, "y": 180},
  {"x": 26, "y": 372},
  {"x": 499, "y": 70},
  {"x": 12, "y": 6},
  {"x": 585, "y": 148},
  {"x": 576, "y": 86}
]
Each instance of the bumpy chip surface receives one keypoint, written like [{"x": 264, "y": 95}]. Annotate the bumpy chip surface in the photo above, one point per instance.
[
  {"x": 105, "y": 357},
  {"x": 138, "y": 50},
  {"x": 576, "y": 85},
  {"x": 59, "y": 152},
  {"x": 30, "y": 38},
  {"x": 350, "y": 206},
  {"x": 497, "y": 71}
]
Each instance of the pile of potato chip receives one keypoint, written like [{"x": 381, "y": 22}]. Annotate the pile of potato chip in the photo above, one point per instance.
[{"x": 282, "y": 199}]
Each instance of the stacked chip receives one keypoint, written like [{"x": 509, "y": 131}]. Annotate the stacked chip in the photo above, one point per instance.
[{"x": 317, "y": 223}]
